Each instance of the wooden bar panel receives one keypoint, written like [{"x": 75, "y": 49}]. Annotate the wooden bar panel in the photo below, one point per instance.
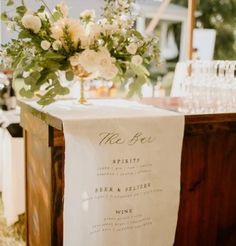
[
  {"x": 207, "y": 212},
  {"x": 44, "y": 182},
  {"x": 57, "y": 195},
  {"x": 38, "y": 175}
]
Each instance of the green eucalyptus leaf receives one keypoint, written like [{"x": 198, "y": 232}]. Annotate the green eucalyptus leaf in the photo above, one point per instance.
[
  {"x": 54, "y": 55},
  {"x": 52, "y": 65},
  {"x": 57, "y": 16},
  {"x": 52, "y": 76},
  {"x": 44, "y": 76},
  {"x": 130, "y": 94},
  {"x": 36, "y": 75},
  {"x": 29, "y": 80},
  {"x": 41, "y": 9},
  {"x": 141, "y": 80},
  {"x": 24, "y": 34},
  {"x": 44, "y": 101},
  {"x": 65, "y": 66},
  {"x": 26, "y": 93},
  {"x": 10, "y": 2},
  {"x": 139, "y": 70},
  {"x": 69, "y": 75},
  {"x": 21, "y": 10},
  {"x": 4, "y": 16},
  {"x": 64, "y": 91}
]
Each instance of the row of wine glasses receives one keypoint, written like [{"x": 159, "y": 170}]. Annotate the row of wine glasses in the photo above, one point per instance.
[{"x": 210, "y": 87}]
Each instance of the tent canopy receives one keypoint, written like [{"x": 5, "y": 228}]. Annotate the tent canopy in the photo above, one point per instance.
[{"x": 174, "y": 13}]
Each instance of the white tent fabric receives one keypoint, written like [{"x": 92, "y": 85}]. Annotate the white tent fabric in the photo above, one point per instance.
[
  {"x": 12, "y": 169},
  {"x": 13, "y": 180},
  {"x": 170, "y": 50}
]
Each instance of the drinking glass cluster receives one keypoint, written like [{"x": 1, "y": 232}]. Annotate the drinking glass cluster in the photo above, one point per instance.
[{"x": 210, "y": 87}]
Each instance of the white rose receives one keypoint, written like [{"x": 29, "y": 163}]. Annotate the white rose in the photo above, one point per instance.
[
  {"x": 104, "y": 52},
  {"x": 45, "y": 45},
  {"x": 88, "y": 15},
  {"x": 109, "y": 72},
  {"x": 107, "y": 68},
  {"x": 132, "y": 48},
  {"x": 32, "y": 22},
  {"x": 104, "y": 58},
  {"x": 88, "y": 60},
  {"x": 63, "y": 8},
  {"x": 137, "y": 60},
  {"x": 74, "y": 60},
  {"x": 57, "y": 45}
]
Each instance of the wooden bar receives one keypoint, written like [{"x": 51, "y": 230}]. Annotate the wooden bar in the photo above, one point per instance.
[{"x": 207, "y": 212}]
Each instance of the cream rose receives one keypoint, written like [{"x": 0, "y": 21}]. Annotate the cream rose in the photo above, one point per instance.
[
  {"x": 75, "y": 30},
  {"x": 45, "y": 45},
  {"x": 106, "y": 66},
  {"x": 109, "y": 72},
  {"x": 132, "y": 48},
  {"x": 89, "y": 60},
  {"x": 32, "y": 22},
  {"x": 137, "y": 60}
]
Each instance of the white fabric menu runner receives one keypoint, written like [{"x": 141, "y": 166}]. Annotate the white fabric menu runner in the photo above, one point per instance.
[{"x": 122, "y": 173}]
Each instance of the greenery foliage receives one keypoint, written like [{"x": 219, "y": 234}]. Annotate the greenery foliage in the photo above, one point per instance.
[
  {"x": 219, "y": 15},
  {"x": 49, "y": 42}
]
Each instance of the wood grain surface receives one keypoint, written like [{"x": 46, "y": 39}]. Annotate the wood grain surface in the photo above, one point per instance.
[{"x": 207, "y": 212}]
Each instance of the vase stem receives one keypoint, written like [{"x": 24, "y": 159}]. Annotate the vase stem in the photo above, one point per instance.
[{"x": 82, "y": 99}]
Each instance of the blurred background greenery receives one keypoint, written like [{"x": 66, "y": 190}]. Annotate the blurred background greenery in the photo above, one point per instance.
[{"x": 219, "y": 15}]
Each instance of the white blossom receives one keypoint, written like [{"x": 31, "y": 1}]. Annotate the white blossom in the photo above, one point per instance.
[
  {"x": 32, "y": 22},
  {"x": 26, "y": 74},
  {"x": 89, "y": 60},
  {"x": 45, "y": 45},
  {"x": 93, "y": 31},
  {"x": 44, "y": 15},
  {"x": 122, "y": 3},
  {"x": 99, "y": 63},
  {"x": 109, "y": 72},
  {"x": 11, "y": 26},
  {"x": 88, "y": 15},
  {"x": 137, "y": 60},
  {"x": 63, "y": 8},
  {"x": 110, "y": 29},
  {"x": 57, "y": 45},
  {"x": 132, "y": 48},
  {"x": 106, "y": 67}
]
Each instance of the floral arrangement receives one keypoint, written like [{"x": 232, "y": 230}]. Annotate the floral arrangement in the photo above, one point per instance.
[{"x": 50, "y": 42}]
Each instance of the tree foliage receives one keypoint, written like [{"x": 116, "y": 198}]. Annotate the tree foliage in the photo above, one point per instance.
[{"x": 219, "y": 15}]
